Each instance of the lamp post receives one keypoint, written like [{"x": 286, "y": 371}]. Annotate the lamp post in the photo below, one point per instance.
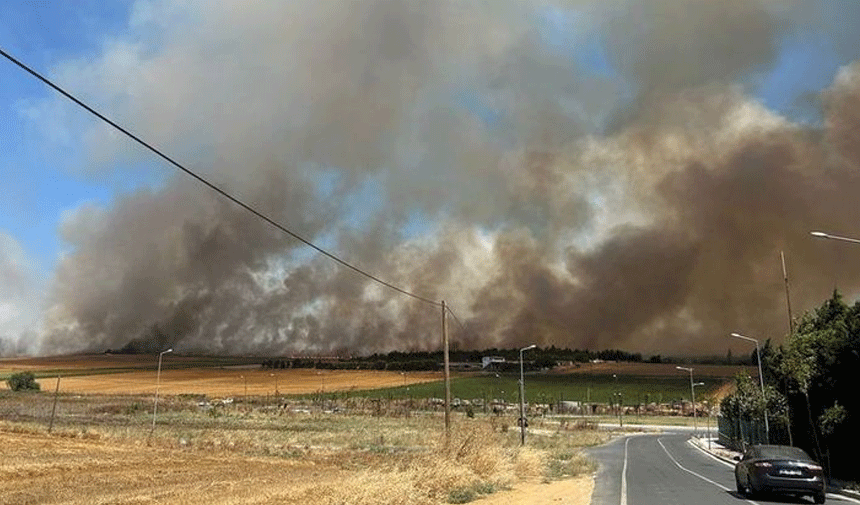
[
  {"x": 523, "y": 397},
  {"x": 707, "y": 415},
  {"x": 760, "y": 379},
  {"x": 157, "y": 383},
  {"x": 620, "y": 401},
  {"x": 821, "y": 234},
  {"x": 692, "y": 396}
]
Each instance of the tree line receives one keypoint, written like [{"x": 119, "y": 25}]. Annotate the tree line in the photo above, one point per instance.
[{"x": 538, "y": 358}]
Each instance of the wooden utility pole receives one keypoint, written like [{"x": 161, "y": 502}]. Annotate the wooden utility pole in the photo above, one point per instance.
[
  {"x": 54, "y": 408},
  {"x": 447, "y": 372}
]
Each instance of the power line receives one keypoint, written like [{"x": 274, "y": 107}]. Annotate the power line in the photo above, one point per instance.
[
  {"x": 210, "y": 185},
  {"x": 448, "y": 309}
]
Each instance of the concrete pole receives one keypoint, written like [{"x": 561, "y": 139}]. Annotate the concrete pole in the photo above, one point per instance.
[
  {"x": 54, "y": 408},
  {"x": 447, "y": 372}
]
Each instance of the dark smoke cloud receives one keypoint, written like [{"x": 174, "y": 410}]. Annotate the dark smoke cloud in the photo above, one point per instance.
[{"x": 444, "y": 147}]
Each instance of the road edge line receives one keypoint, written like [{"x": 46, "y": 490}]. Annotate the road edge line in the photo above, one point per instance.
[
  {"x": 712, "y": 482},
  {"x": 623, "y": 499}
]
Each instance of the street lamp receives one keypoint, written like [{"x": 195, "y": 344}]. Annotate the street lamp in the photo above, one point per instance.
[
  {"x": 157, "y": 383},
  {"x": 760, "y": 376},
  {"x": 707, "y": 418},
  {"x": 523, "y": 397},
  {"x": 620, "y": 401},
  {"x": 692, "y": 396},
  {"x": 821, "y": 234}
]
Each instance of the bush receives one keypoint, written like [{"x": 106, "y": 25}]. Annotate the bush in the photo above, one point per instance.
[{"x": 23, "y": 381}]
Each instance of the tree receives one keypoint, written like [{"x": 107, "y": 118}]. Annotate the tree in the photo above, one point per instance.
[
  {"x": 22, "y": 381},
  {"x": 817, "y": 368}
]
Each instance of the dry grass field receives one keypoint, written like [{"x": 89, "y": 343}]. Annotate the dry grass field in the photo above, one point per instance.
[
  {"x": 233, "y": 382},
  {"x": 102, "y": 448},
  {"x": 286, "y": 460}
]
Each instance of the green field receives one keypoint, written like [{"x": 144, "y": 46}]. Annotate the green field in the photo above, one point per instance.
[{"x": 543, "y": 388}]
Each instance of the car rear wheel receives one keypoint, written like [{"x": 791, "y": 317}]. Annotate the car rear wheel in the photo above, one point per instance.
[{"x": 818, "y": 497}]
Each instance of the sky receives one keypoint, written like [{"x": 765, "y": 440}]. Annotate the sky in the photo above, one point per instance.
[{"x": 585, "y": 174}]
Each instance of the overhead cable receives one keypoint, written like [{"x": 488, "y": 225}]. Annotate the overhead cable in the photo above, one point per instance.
[{"x": 210, "y": 185}]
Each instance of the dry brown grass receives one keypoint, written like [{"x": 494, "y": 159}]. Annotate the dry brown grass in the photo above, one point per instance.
[
  {"x": 252, "y": 450},
  {"x": 293, "y": 459}
]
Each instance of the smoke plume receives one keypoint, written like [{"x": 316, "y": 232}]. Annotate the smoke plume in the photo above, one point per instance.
[{"x": 450, "y": 149}]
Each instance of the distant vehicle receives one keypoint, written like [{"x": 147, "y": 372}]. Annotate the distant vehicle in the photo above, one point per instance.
[{"x": 779, "y": 469}]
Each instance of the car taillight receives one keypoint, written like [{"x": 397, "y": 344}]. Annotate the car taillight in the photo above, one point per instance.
[
  {"x": 762, "y": 464},
  {"x": 814, "y": 468}
]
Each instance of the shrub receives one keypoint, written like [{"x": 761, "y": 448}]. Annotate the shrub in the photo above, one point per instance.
[{"x": 23, "y": 381}]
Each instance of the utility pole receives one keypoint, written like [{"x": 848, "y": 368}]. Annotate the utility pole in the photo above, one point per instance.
[
  {"x": 523, "y": 397},
  {"x": 787, "y": 294},
  {"x": 447, "y": 372},
  {"x": 157, "y": 383},
  {"x": 54, "y": 408},
  {"x": 790, "y": 333}
]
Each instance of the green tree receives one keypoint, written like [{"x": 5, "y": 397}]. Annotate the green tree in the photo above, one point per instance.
[
  {"x": 817, "y": 368},
  {"x": 22, "y": 381}
]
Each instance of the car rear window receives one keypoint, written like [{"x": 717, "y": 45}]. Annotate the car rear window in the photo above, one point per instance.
[{"x": 782, "y": 452}]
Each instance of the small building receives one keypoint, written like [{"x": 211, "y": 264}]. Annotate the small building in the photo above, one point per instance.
[{"x": 489, "y": 361}]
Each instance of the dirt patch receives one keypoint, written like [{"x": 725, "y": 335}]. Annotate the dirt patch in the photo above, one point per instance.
[
  {"x": 575, "y": 491},
  {"x": 38, "y": 468}
]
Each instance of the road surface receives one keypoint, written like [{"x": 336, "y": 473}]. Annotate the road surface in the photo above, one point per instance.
[{"x": 665, "y": 469}]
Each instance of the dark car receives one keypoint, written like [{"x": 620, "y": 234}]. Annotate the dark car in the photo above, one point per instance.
[{"x": 779, "y": 469}]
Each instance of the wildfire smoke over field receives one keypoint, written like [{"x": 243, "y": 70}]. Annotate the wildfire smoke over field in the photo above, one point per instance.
[{"x": 579, "y": 174}]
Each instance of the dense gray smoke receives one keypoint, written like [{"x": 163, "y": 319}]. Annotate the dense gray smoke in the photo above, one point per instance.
[
  {"x": 19, "y": 299},
  {"x": 448, "y": 148}
]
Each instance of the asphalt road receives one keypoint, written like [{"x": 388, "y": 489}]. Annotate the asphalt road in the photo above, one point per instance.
[{"x": 665, "y": 469}]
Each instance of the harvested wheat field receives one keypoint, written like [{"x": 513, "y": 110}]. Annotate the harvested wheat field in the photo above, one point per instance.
[
  {"x": 136, "y": 374},
  {"x": 233, "y": 382},
  {"x": 37, "y": 468}
]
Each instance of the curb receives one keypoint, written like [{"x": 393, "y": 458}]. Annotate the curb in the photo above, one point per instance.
[{"x": 703, "y": 446}]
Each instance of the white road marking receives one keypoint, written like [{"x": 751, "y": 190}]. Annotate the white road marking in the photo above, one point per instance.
[
  {"x": 624, "y": 475},
  {"x": 730, "y": 465},
  {"x": 724, "y": 488}
]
